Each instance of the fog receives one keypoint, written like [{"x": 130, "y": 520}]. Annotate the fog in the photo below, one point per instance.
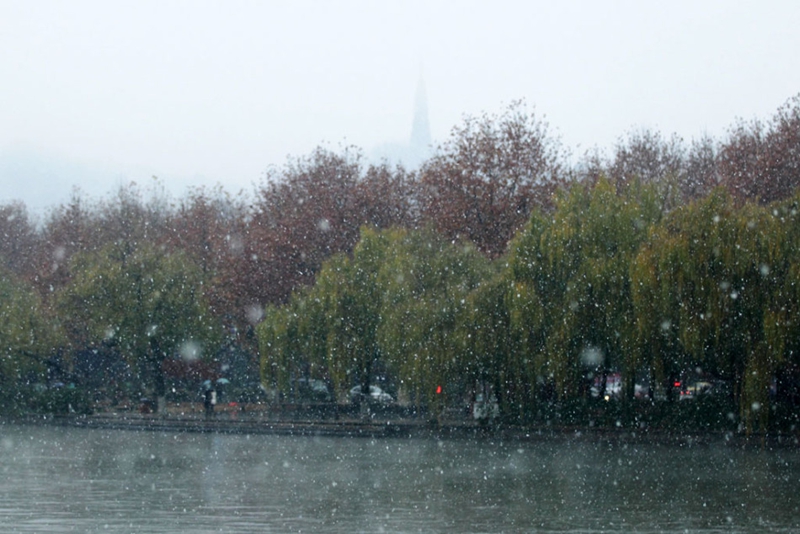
[{"x": 95, "y": 94}]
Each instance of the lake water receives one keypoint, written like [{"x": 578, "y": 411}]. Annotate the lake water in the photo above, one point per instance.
[{"x": 55, "y": 479}]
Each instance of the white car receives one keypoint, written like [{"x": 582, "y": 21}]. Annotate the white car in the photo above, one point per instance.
[
  {"x": 375, "y": 393},
  {"x": 484, "y": 408}
]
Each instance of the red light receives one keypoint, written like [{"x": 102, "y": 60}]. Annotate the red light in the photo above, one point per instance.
[
  {"x": 677, "y": 384},
  {"x": 438, "y": 390}
]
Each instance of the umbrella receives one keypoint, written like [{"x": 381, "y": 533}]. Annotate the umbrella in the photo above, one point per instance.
[{"x": 223, "y": 381}]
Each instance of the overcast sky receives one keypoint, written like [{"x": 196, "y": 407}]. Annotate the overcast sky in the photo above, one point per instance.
[{"x": 95, "y": 93}]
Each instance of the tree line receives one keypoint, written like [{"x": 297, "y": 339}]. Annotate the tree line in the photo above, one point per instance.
[
  {"x": 141, "y": 278},
  {"x": 606, "y": 282}
]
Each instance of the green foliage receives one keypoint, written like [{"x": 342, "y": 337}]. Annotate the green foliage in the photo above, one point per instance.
[
  {"x": 613, "y": 274},
  {"x": 570, "y": 296},
  {"x": 275, "y": 345},
  {"x": 427, "y": 281},
  {"x": 495, "y": 348},
  {"x": 22, "y": 399},
  {"x": 64, "y": 400},
  {"x": 606, "y": 283},
  {"x": 27, "y": 335},
  {"x": 393, "y": 305},
  {"x": 146, "y": 302},
  {"x": 716, "y": 290}
]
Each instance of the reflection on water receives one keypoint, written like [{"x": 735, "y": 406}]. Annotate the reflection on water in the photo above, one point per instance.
[{"x": 77, "y": 480}]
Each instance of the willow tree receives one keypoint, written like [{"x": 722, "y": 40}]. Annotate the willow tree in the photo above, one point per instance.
[
  {"x": 427, "y": 280},
  {"x": 757, "y": 306},
  {"x": 570, "y": 285},
  {"x": 712, "y": 293},
  {"x": 391, "y": 308},
  {"x": 493, "y": 355},
  {"x": 529, "y": 288},
  {"x": 295, "y": 340},
  {"x": 673, "y": 286},
  {"x": 277, "y": 342},
  {"x": 782, "y": 322},
  {"x": 146, "y": 302},
  {"x": 354, "y": 303},
  {"x": 328, "y": 331}
]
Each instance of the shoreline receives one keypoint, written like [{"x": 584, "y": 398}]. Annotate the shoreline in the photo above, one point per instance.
[{"x": 226, "y": 423}]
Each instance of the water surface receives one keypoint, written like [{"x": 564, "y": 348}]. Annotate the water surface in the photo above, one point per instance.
[{"x": 55, "y": 479}]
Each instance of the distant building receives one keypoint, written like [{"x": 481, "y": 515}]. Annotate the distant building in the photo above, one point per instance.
[
  {"x": 420, "y": 141},
  {"x": 419, "y": 146}
]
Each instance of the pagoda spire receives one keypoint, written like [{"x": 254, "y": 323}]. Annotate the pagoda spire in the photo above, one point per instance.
[{"x": 420, "y": 129}]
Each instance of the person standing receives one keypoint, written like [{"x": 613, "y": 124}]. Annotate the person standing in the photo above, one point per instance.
[{"x": 209, "y": 400}]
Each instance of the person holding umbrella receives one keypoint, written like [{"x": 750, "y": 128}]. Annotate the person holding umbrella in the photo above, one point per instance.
[{"x": 209, "y": 398}]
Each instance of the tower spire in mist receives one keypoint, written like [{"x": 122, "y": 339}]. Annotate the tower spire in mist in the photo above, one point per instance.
[{"x": 421, "y": 128}]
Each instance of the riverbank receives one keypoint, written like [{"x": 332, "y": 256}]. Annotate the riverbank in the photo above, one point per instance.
[{"x": 371, "y": 427}]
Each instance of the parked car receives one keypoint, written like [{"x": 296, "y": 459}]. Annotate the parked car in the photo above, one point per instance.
[
  {"x": 485, "y": 408},
  {"x": 312, "y": 389},
  {"x": 613, "y": 385},
  {"x": 693, "y": 391},
  {"x": 375, "y": 393}
]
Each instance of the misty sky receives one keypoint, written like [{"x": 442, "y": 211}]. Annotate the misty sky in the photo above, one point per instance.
[{"x": 96, "y": 93}]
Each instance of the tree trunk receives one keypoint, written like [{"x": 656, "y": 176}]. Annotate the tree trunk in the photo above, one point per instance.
[{"x": 159, "y": 380}]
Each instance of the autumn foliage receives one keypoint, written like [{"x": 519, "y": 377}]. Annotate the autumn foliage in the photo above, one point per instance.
[
  {"x": 484, "y": 182},
  {"x": 496, "y": 183}
]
